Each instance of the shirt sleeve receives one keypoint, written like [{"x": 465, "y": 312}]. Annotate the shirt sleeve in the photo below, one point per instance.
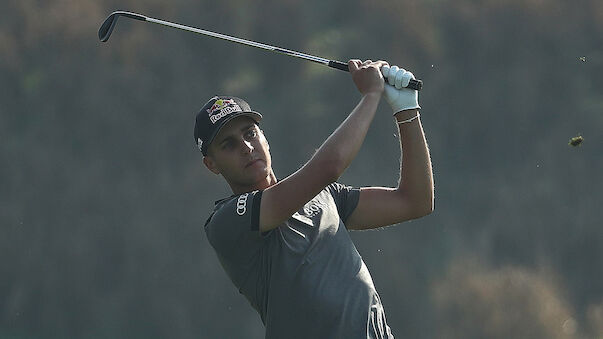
[
  {"x": 346, "y": 199},
  {"x": 233, "y": 227}
]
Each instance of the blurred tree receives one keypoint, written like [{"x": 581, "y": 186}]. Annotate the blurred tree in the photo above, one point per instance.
[
  {"x": 473, "y": 302},
  {"x": 104, "y": 194}
]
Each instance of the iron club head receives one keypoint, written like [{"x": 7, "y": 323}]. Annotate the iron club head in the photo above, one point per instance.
[{"x": 105, "y": 30}]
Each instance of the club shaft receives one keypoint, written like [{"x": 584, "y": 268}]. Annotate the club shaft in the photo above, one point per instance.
[
  {"x": 242, "y": 41},
  {"x": 107, "y": 27}
]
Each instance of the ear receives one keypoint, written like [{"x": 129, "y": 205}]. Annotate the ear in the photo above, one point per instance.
[{"x": 209, "y": 162}]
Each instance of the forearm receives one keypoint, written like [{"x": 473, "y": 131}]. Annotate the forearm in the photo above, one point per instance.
[
  {"x": 416, "y": 175},
  {"x": 338, "y": 151}
]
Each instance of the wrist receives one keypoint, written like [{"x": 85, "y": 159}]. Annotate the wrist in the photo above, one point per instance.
[
  {"x": 405, "y": 114},
  {"x": 372, "y": 95}
]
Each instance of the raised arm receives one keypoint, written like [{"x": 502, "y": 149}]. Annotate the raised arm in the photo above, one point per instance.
[
  {"x": 287, "y": 196},
  {"x": 414, "y": 195}
]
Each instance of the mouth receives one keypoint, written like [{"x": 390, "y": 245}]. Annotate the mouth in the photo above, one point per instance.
[{"x": 252, "y": 162}]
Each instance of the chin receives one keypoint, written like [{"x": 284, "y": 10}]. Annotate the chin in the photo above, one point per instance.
[{"x": 262, "y": 176}]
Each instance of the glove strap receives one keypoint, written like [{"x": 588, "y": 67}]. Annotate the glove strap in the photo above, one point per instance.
[{"x": 409, "y": 120}]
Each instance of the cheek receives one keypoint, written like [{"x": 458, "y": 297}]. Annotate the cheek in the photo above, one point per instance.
[
  {"x": 264, "y": 142},
  {"x": 225, "y": 163},
  {"x": 265, "y": 148}
]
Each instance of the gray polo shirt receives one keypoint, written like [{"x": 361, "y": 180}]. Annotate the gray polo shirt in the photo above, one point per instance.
[{"x": 305, "y": 278}]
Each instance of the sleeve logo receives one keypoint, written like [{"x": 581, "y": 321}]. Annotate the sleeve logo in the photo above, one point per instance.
[
  {"x": 312, "y": 208},
  {"x": 242, "y": 204}
]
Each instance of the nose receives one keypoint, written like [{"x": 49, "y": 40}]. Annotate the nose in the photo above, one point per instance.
[{"x": 246, "y": 146}]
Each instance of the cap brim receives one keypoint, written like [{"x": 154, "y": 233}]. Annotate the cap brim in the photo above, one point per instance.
[{"x": 257, "y": 117}]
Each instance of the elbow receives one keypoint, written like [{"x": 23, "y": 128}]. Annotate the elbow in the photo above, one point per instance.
[
  {"x": 423, "y": 210},
  {"x": 426, "y": 206},
  {"x": 431, "y": 205},
  {"x": 417, "y": 206},
  {"x": 428, "y": 201},
  {"x": 429, "y": 208}
]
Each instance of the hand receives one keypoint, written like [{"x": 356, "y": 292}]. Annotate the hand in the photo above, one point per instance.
[
  {"x": 396, "y": 94},
  {"x": 366, "y": 75}
]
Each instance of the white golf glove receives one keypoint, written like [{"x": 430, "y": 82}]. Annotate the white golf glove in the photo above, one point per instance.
[{"x": 396, "y": 94}]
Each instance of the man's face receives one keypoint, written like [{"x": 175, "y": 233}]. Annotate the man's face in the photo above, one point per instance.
[{"x": 240, "y": 153}]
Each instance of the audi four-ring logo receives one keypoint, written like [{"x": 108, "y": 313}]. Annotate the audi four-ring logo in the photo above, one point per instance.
[{"x": 242, "y": 204}]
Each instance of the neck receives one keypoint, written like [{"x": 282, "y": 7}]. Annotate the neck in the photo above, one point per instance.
[{"x": 260, "y": 185}]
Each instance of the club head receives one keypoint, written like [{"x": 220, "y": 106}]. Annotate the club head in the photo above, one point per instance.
[{"x": 105, "y": 30}]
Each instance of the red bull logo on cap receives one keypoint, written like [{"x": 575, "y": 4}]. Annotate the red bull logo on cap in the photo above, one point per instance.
[{"x": 221, "y": 108}]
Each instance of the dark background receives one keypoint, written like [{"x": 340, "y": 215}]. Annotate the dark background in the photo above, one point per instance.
[{"x": 103, "y": 193}]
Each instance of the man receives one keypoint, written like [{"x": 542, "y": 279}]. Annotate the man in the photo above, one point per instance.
[{"x": 285, "y": 243}]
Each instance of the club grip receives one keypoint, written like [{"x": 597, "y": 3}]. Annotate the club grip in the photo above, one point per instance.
[
  {"x": 413, "y": 84},
  {"x": 339, "y": 65}
]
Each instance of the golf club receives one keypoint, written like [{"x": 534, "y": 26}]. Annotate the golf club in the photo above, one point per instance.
[{"x": 106, "y": 29}]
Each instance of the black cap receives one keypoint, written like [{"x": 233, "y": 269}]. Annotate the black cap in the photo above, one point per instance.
[{"x": 215, "y": 114}]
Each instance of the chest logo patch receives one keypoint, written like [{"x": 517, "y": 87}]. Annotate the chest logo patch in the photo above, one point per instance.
[{"x": 242, "y": 204}]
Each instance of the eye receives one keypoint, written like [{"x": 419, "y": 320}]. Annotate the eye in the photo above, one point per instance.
[{"x": 251, "y": 134}]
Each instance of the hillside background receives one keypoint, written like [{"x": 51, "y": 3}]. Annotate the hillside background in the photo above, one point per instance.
[{"x": 103, "y": 193}]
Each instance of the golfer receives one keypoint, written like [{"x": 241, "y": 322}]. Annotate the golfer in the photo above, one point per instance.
[{"x": 284, "y": 243}]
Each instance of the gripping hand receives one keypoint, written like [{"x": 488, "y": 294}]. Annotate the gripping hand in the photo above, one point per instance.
[{"x": 396, "y": 94}]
